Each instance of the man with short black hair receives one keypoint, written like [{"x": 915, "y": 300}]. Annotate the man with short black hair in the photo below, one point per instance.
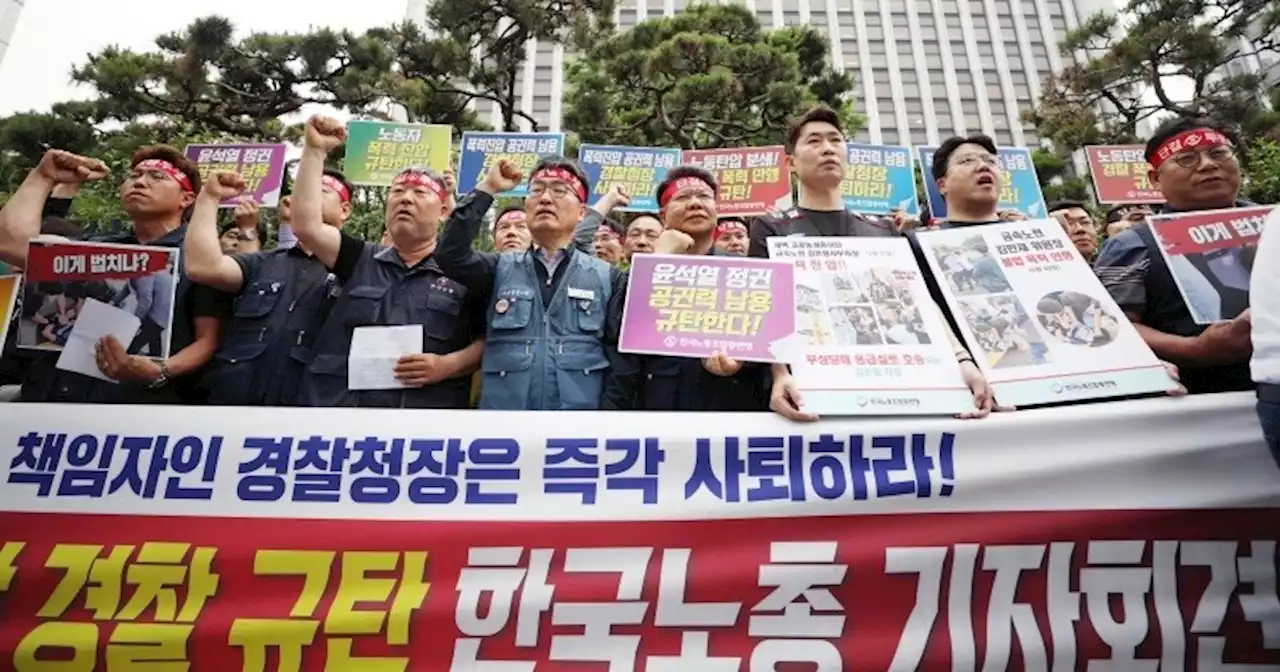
[
  {"x": 607, "y": 242},
  {"x": 1078, "y": 223},
  {"x": 1196, "y": 167},
  {"x": 642, "y": 235},
  {"x": 511, "y": 230},
  {"x": 1123, "y": 216}
]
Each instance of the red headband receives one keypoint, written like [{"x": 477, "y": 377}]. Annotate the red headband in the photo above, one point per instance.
[
  {"x": 419, "y": 178},
  {"x": 338, "y": 187},
  {"x": 607, "y": 231},
  {"x": 168, "y": 169},
  {"x": 509, "y": 216},
  {"x": 564, "y": 176},
  {"x": 683, "y": 183},
  {"x": 1196, "y": 137},
  {"x": 729, "y": 225}
]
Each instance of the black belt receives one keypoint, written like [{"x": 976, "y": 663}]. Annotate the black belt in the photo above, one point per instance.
[{"x": 1269, "y": 392}]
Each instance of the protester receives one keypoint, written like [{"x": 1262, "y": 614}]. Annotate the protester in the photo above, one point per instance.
[
  {"x": 607, "y": 243},
  {"x": 556, "y": 309},
  {"x": 511, "y": 230},
  {"x": 687, "y": 208},
  {"x": 1078, "y": 223},
  {"x": 229, "y": 241},
  {"x": 731, "y": 237},
  {"x": 1121, "y": 217},
  {"x": 248, "y": 225},
  {"x": 1264, "y": 293},
  {"x": 642, "y": 235},
  {"x": 283, "y": 298},
  {"x": 386, "y": 286},
  {"x": 1195, "y": 166},
  {"x": 158, "y": 191}
]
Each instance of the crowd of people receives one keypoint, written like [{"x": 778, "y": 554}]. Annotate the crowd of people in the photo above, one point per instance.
[{"x": 539, "y": 317}]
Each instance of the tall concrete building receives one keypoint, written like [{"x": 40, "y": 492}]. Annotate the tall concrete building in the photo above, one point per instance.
[
  {"x": 9, "y": 11},
  {"x": 924, "y": 69}
]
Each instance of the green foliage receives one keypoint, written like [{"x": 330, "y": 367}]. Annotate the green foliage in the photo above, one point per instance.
[
  {"x": 709, "y": 77},
  {"x": 1057, "y": 179},
  {"x": 1134, "y": 57},
  {"x": 1264, "y": 172}
]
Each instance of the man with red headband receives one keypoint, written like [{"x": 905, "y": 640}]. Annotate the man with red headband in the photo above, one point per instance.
[
  {"x": 157, "y": 193},
  {"x": 1196, "y": 167},
  {"x": 607, "y": 243},
  {"x": 282, "y": 298},
  {"x": 511, "y": 230},
  {"x": 731, "y": 237},
  {"x": 687, "y": 208},
  {"x": 385, "y": 286},
  {"x": 556, "y": 309}
]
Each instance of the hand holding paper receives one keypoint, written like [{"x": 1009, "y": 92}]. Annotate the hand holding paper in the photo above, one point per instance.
[{"x": 375, "y": 354}]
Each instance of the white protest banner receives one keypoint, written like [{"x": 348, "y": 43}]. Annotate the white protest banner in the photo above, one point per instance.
[
  {"x": 435, "y": 541},
  {"x": 869, "y": 342},
  {"x": 1039, "y": 323}
]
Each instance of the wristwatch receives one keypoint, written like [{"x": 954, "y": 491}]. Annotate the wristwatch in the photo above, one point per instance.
[
  {"x": 162, "y": 378},
  {"x": 964, "y": 356}
]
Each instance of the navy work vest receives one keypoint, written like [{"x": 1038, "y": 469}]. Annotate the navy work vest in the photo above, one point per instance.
[{"x": 546, "y": 357}]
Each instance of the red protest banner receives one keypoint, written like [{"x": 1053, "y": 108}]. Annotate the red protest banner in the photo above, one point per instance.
[
  {"x": 67, "y": 262},
  {"x": 1120, "y": 174},
  {"x": 753, "y": 180},
  {"x": 1200, "y": 232}
]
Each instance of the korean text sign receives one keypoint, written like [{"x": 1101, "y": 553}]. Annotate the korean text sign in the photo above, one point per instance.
[
  {"x": 880, "y": 179},
  {"x": 62, "y": 276},
  {"x": 696, "y": 306},
  {"x": 870, "y": 342},
  {"x": 1120, "y": 174},
  {"x": 638, "y": 169},
  {"x": 1038, "y": 322},
  {"x": 377, "y": 151},
  {"x": 260, "y": 166},
  {"x": 753, "y": 180},
  {"x": 481, "y": 150},
  {"x": 869, "y": 544},
  {"x": 1210, "y": 256},
  {"x": 1019, "y": 186}
]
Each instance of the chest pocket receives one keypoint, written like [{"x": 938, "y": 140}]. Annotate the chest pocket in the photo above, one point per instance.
[
  {"x": 259, "y": 299},
  {"x": 441, "y": 321},
  {"x": 364, "y": 304},
  {"x": 512, "y": 308},
  {"x": 589, "y": 314}
]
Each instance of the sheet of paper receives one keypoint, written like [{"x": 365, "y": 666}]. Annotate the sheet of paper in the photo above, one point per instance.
[
  {"x": 96, "y": 320},
  {"x": 371, "y": 363}
]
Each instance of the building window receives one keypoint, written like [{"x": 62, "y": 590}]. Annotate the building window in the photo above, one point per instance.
[
  {"x": 845, "y": 19},
  {"x": 875, "y": 40},
  {"x": 765, "y": 17},
  {"x": 790, "y": 18},
  {"x": 872, "y": 19},
  {"x": 541, "y": 104},
  {"x": 627, "y": 17},
  {"x": 870, "y": 6},
  {"x": 863, "y": 136},
  {"x": 818, "y": 17}
]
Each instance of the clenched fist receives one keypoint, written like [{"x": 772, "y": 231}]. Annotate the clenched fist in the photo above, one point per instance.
[
  {"x": 619, "y": 196},
  {"x": 247, "y": 213},
  {"x": 325, "y": 133},
  {"x": 503, "y": 176},
  {"x": 673, "y": 242},
  {"x": 67, "y": 168},
  {"x": 222, "y": 185}
]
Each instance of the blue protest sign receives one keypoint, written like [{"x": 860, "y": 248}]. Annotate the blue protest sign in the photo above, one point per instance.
[
  {"x": 480, "y": 150},
  {"x": 638, "y": 169},
  {"x": 880, "y": 179},
  {"x": 1019, "y": 188}
]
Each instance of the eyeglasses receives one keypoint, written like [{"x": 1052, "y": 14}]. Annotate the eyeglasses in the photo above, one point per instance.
[
  {"x": 970, "y": 159},
  {"x": 557, "y": 189},
  {"x": 1218, "y": 153}
]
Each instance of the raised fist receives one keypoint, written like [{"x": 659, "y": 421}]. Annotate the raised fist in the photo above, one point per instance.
[
  {"x": 619, "y": 195},
  {"x": 67, "y": 168},
  {"x": 246, "y": 213},
  {"x": 503, "y": 176},
  {"x": 325, "y": 133},
  {"x": 223, "y": 185},
  {"x": 673, "y": 242}
]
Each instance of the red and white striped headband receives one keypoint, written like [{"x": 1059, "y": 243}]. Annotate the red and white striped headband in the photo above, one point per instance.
[
  {"x": 508, "y": 216},
  {"x": 1192, "y": 139},
  {"x": 682, "y": 184},
  {"x": 419, "y": 178},
  {"x": 727, "y": 225},
  {"x": 167, "y": 168},
  {"x": 338, "y": 187},
  {"x": 565, "y": 176}
]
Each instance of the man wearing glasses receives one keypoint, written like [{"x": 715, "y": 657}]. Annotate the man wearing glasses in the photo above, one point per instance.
[
  {"x": 555, "y": 309},
  {"x": 1196, "y": 168}
]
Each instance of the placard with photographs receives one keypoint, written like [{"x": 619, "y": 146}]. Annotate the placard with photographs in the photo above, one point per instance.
[
  {"x": 871, "y": 341},
  {"x": 1037, "y": 320}
]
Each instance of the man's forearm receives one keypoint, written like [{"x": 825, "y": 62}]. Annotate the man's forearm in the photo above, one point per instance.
[
  {"x": 20, "y": 217},
  {"x": 206, "y": 264},
  {"x": 466, "y": 361}
]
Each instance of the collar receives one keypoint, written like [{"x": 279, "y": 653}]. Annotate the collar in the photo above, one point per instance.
[
  {"x": 1166, "y": 209},
  {"x": 949, "y": 224},
  {"x": 172, "y": 239},
  {"x": 388, "y": 255},
  {"x": 552, "y": 256}
]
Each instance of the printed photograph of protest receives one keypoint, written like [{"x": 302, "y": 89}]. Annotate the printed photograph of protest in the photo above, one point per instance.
[
  {"x": 901, "y": 323},
  {"x": 9, "y": 285},
  {"x": 61, "y": 278},
  {"x": 971, "y": 269},
  {"x": 855, "y": 325},
  {"x": 1210, "y": 256},
  {"x": 842, "y": 289},
  {"x": 1077, "y": 319},
  {"x": 1004, "y": 331},
  {"x": 811, "y": 318}
]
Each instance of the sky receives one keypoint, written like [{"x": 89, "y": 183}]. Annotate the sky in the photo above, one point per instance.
[{"x": 55, "y": 35}]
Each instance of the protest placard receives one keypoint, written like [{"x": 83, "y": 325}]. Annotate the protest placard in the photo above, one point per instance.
[
  {"x": 62, "y": 276},
  {"x": 480, "y": 150},
  {"x": 1019, "y": 186},
  {"x": 753, "y": 180},
  {"x": 873, "y": 344},
  {"x": 9, "y": 285},
  {"x": 377, "y": 150},
  {"x": 1037, "y": 320},
  {"x": 1210, "y": 256},
  {"x": 1120, "y": 174},
  {"x": 638, "y": 169},
  {"x": 696, "y": 306},
  {"x": 260, "y": 166},
  {"x": 880, "y": 179}
]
